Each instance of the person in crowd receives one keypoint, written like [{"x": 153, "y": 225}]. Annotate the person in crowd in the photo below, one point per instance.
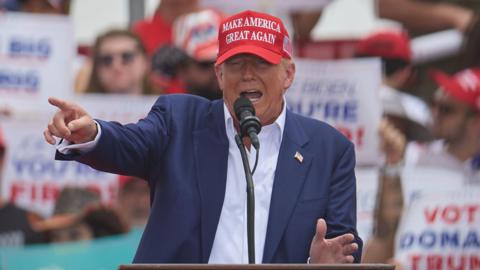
[
  {"x": 187, "y": 66},
  {"x": 157, "y": 31},
  {"x": 79, "y": 215},
  {"x": 167, "y": 63},
  {"x": 456, "y": 126},
  {"x": 406, "y": 112},
  {"x": 185, "y": 149},
  {"x": 120, "y": 64},
  {"x": 94, "y": 221},
  {"x": 389, "y": 200},
  {"x": 407, "y": 118},
  {"x": 17, "y": 226},
  {"x": 134, "y": 200},
  {"x": 73, "y": 200},
  {"x": 196, "y": 34}
]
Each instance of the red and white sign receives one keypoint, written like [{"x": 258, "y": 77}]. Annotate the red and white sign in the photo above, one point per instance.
[{"x": 441, "y": 231}]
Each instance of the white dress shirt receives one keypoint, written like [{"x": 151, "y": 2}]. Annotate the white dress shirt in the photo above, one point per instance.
[{"x": 230, "y": 245}]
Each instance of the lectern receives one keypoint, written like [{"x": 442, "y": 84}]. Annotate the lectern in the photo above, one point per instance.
[{"x": 257, "y": 267}]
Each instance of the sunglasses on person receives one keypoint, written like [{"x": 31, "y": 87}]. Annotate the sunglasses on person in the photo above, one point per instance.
[{"x": 106, "y": 60}]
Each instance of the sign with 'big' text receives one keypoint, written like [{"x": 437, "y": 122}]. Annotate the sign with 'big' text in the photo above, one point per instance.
[
  {"x": 344, "y": 94},
  {"x": 441, "y": 231},
  {"x": 36, "y": 54}
]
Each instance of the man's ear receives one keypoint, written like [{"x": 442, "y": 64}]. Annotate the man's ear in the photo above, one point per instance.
[
  {"x": 290, "y": 74},
  {"x": 219, "y": 74}
]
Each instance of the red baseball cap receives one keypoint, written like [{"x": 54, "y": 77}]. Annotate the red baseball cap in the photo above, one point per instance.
[
  {"x": 255, "y": 33},
  {"x": 386, "y": 44},
  {"x": 464, "y": 85}
]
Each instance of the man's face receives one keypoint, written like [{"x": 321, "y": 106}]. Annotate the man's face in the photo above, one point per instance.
[
  {"x": 261, "y": 82},
  {"x": 451, "y": 118}
]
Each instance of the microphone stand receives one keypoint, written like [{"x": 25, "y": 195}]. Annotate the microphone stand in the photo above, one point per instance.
[{"x": 250, "y": 201}]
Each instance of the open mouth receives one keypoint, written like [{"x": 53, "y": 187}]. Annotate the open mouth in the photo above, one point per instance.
[{"x": 252, "y": 95}]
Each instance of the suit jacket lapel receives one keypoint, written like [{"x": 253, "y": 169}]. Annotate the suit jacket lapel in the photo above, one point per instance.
[
  {"x": 289, "y": 178},
  {"x": 211, "y": 157}
]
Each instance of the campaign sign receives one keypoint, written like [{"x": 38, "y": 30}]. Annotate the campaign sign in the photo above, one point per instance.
[
  {"x": 33, "y": 179},
  {"x": 36, "y": 54},
  {"x": 441, "y": 231},
  {"x": 344, "y": 94}
]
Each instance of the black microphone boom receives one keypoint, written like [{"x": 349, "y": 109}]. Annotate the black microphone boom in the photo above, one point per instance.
[{"x": 249, "y": 124}]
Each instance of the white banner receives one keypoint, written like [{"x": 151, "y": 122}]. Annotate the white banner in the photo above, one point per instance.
[
  {"x": 441, "y": 231},
  {"x": 36, "y": 54},
  {"x": 33, "y": 179},
  {"x": 344, "y": 94}
]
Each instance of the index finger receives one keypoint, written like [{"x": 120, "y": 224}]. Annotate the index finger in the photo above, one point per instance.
[{"x": 60, "y": 103}]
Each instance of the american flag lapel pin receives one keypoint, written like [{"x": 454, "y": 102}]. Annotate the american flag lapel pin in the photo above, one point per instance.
[{"x": 298, "y": 157}]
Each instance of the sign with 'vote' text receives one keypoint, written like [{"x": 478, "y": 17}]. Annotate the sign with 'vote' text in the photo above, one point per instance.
[{"x": 441, "y": 231}]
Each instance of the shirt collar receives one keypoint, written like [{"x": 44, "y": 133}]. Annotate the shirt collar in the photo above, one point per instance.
[{"x": 279, "y": 122}]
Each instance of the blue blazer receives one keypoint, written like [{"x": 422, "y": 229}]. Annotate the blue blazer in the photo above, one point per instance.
[{"x": 181, "y": 149}]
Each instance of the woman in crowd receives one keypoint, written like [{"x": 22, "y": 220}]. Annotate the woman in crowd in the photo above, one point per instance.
[{"x": 120, "y": 64}]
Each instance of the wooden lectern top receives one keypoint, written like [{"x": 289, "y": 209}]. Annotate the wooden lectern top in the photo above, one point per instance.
[{"x": 257, "y": 267}]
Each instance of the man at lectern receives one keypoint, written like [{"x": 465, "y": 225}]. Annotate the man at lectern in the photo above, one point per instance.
[{"x": 305, "y": 208}]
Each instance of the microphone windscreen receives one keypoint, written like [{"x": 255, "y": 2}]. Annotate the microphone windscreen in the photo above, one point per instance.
[{"x": 241, "y": 104}]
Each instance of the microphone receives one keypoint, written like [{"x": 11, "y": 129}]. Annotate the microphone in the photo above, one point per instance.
[{"x": 249, "y": 124}]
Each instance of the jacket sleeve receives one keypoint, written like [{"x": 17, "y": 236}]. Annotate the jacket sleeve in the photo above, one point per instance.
[{"x": 129, "y": 149}]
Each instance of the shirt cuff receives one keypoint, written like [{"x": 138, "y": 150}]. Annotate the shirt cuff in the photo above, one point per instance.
[{"x": 65, "y": 147}]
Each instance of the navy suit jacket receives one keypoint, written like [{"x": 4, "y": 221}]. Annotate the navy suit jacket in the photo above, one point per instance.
[{"x": 181, "y": 148}]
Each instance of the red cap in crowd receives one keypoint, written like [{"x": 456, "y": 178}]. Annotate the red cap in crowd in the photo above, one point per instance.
[
  {"x": 386, "y": 44},
  {"x": 196, "y": 33},
  {"x": 255, "y": 33},
  {"x": 464, "y": 85}
]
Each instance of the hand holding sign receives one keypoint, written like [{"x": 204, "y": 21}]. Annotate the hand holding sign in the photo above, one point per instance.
[
  {"x": 335, "y": 250},
  {"x": 71, "y": 122}
]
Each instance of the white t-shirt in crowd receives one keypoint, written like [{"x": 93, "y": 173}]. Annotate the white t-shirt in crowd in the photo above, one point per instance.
[{"x": 434, "y": 154}]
